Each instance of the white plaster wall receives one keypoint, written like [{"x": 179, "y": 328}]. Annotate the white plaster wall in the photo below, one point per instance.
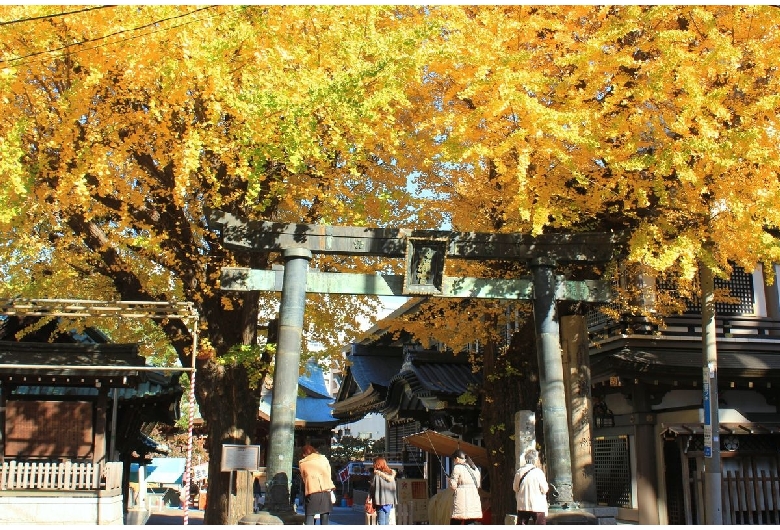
[
  {"x": 680, "y": 398},
  {"x": 618, "y": 404},
  {"x": 742, "y": 400},
  {"x": 746, "y": 401},
  {"x": 759, "y": 292},
  {"x": 18, "y": 510}
]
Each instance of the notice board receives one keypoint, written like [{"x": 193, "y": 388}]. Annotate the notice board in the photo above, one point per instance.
[{"x": 243, "y": 457}]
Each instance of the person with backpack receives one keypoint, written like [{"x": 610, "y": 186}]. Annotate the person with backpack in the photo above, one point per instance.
[{"x": 530, "y": 485}]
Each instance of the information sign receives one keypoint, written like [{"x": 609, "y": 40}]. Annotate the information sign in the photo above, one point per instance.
[
  {"x": 245, "y": 457},
  {"x": 707, "y": 415}
]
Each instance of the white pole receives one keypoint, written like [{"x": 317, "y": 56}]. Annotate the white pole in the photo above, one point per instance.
[
  {"x": 188, "y": 470},
  {"x": 142, "y": 486}
]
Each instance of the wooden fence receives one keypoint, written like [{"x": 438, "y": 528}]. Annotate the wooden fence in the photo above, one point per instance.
[
  {"x": 31, "y": 475},
  {"x": 747, "y": 498}
]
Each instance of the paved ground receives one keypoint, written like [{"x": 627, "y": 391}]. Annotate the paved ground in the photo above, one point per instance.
[{"x": 175, "y": 516}]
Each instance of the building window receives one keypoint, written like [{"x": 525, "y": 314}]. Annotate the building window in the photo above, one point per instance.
[
  {"x": 613, "y": 471},
  {"x": 739, "y": 287}
]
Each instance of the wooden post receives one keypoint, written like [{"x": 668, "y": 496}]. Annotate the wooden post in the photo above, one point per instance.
[
  {"x": 4, "y": 393},
  {"x": 574, "y": 339},
  {"x": 99, "y": 455},
  {"x": 646, "y": 477}
]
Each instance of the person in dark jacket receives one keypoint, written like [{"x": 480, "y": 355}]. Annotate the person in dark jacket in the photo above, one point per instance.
[{"x": 257, "y": 493}]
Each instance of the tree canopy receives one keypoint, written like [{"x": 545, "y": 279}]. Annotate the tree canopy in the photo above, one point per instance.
[{"x": 119, "y": 124}]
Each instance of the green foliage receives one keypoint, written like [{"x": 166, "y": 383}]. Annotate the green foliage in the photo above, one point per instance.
[
  {"x": 469, "y": 397},
  {"x": 249, "y": 356},
  {"x": 497, "y": 428}
]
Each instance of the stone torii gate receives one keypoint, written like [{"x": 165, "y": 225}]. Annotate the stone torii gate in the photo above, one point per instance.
[{"x": 425, "y": 252}]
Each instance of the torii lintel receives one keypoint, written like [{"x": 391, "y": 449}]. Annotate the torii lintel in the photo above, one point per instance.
[{"x": 264, "y": 236}]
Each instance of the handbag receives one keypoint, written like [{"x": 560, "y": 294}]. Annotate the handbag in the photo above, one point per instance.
[{"x": 370, "y": 505}]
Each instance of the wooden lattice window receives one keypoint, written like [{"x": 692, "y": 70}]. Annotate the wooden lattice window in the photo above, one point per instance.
[
  {"x": 613, "y": 471},
  {"x": 739, "y": 286}
]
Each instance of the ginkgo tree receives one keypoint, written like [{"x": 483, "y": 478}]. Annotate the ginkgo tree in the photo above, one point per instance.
[
  {"x": 119, "y": 124},
  {"x": 657, "y": 121}
]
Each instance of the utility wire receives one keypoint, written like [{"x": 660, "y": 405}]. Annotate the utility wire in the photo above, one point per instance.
[
  {"x": 44, "y": 17},
  {"x": 104, "y": 37}
]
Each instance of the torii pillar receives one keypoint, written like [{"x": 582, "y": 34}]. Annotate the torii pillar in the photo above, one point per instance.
[
  {"x": 288, "y": 357},
  {"x": 551, "y": 380}
]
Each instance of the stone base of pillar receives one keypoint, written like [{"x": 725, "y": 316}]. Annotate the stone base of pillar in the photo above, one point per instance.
[
  {"x": 582, "y": 515},
  {"x": 260, "y": 518},
  {"x": 278, "y": 518}
]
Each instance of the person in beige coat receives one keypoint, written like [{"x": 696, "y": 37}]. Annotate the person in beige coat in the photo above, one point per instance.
[
  {"x": 317, "y": 485},
  {"x": 465, "y": 480},
  {"x": 531, "y": 488}
]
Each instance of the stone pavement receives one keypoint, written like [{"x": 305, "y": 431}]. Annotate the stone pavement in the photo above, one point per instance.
[{"x": 175, "y": 516}]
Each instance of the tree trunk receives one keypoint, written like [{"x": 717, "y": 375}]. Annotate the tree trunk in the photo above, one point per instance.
[
  {"x": 230, "y": 411},
  {"x": 227, "y": 404},
  {"x": 515, "y": 370}
]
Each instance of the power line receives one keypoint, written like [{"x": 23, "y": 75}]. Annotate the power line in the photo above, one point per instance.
[
  {"x": 104, "y": 37},
  {"x": 44, "y": 17}
]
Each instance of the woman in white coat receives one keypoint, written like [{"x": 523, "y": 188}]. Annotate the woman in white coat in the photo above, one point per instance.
[
  {"x": 465, "y": 480},
  {"x": 531, "y": 488}
]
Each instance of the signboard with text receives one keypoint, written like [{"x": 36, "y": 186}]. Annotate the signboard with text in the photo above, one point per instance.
[
  {"x": 707, "y": 416},
  {"x": 243, "y": 457}
]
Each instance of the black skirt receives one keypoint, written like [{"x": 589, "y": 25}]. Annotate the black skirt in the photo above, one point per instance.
[{"x": 318, "y": 503}]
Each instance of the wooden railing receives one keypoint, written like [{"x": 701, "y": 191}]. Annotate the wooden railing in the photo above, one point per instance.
[
  {"x": 739, "y": 326},
  {"x": 64, "y": 476}
]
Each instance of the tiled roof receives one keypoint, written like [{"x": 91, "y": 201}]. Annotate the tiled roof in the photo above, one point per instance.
[
  {"x": 421, "y": 383},
  {"x": 383, "y": 377},
  {"x": 308, "y": 410},
  {"x": 313, "y": 380},
  {"x": 311, "y": 410},
  {"x": 441, "y": 378},
  {"x": 356, "y": 406},
  {"x": 370, "y": 370}
]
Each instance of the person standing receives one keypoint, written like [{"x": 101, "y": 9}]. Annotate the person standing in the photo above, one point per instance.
[
  {"x": 317, "y": 485},
  {"x": 257, "y": 493},
  {"x": 530, "y": 485},
  {"x": 465, "y": 480},
  {"x": 382, "y": 490}
]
